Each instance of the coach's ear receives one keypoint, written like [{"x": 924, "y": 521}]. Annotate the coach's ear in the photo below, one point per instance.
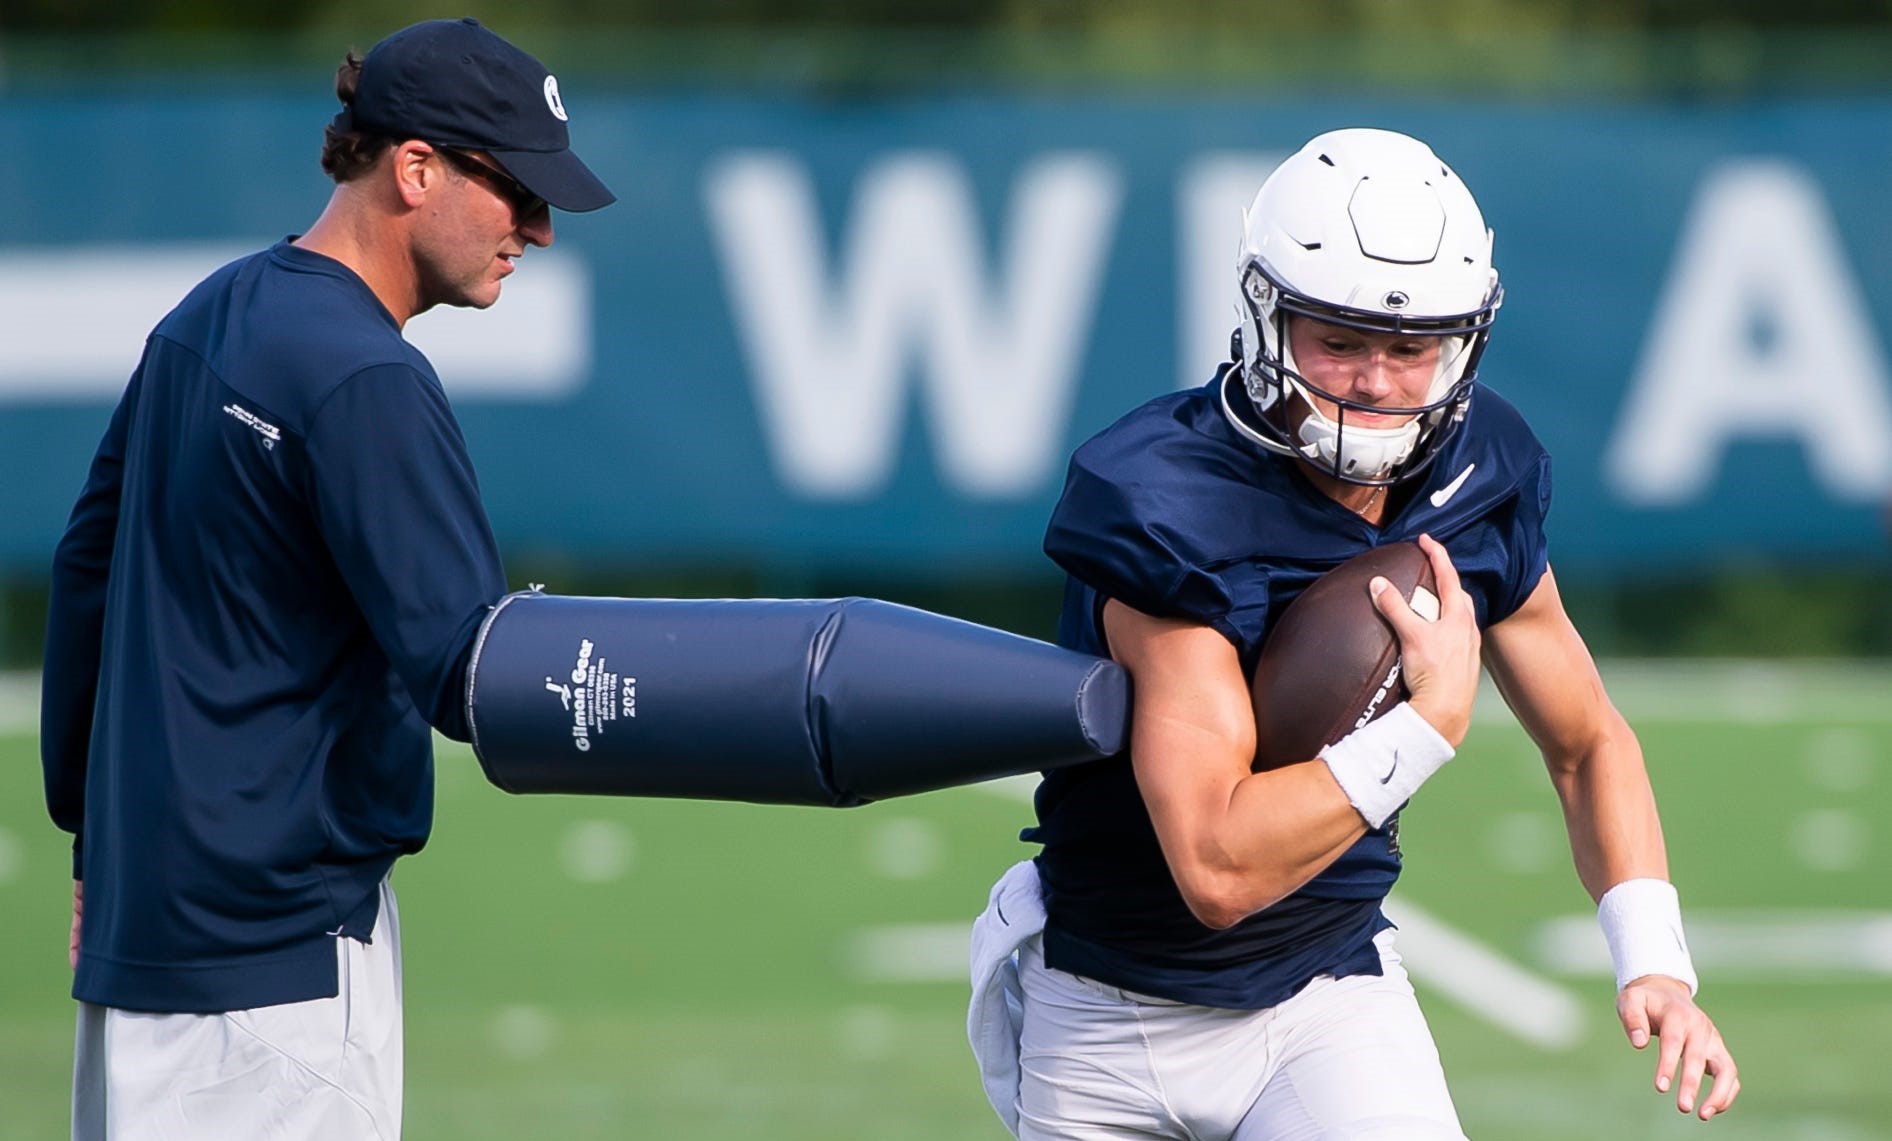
[{"x": 416, "y": 171}]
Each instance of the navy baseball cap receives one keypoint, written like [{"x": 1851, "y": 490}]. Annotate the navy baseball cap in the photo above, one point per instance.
[{"x": 454, "y": 83}]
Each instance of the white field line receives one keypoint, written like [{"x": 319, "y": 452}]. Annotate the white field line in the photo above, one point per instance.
[
  {"x": 910, "y": 953},
  {"x": 1772, "y": 946},
  {"x": 19, "y": 702},
  {"x": 1456, "y": 966}
]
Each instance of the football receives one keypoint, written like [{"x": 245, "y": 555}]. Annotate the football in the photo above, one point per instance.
[{"x": 1331, "y": 664}]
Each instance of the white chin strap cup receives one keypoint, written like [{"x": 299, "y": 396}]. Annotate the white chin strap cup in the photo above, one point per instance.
[{"x": 1363, "y": 453}]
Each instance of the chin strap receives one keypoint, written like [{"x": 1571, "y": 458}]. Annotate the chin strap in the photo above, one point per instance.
[{"x": 1361, "y": 453}]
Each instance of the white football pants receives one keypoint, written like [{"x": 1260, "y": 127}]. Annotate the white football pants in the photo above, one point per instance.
[
  {"x": 1344, "y": 1060},
  {"x": 324, "y": 1070}
]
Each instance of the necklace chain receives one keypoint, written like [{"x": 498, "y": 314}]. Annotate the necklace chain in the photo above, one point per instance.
[{"x": 1372, "y": 500}]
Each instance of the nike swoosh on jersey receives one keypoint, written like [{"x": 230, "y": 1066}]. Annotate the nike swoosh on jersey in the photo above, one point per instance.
[{"x": 1444, "y": 495}]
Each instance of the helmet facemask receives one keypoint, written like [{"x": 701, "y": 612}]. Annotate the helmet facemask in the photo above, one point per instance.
[{"x": 1294, "y": 424}]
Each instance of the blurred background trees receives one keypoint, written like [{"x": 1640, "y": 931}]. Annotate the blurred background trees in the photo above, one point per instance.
[{"x": 1564, "y": 46}]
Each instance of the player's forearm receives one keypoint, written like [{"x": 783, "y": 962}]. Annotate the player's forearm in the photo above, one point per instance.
[
  {"x": 1259, "y": 839},
  {"x": 1290, "y": 824},
  {"x": 1610, "y": 811}
]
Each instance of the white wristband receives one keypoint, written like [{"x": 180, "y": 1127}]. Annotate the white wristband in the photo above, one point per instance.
[
  {"x": 1381, "y": 764},
  {"x": 1642, "y": 919}
]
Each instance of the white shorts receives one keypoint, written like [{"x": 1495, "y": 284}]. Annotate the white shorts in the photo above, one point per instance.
[
  {"x": 324, "y": 1070},
  {"x": 1345, "y": 1060}
]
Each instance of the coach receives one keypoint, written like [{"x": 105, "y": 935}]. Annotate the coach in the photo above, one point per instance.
[{"x": 266, "y": 594}]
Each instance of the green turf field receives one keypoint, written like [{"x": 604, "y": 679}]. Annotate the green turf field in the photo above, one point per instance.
[{"x": 607, "y": 969}]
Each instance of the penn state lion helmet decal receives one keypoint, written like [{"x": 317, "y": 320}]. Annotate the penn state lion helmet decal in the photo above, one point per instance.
[{"x": 1370, "y": 230}]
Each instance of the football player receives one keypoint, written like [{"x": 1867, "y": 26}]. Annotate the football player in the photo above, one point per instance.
[{"x": 1199, "y": 951}]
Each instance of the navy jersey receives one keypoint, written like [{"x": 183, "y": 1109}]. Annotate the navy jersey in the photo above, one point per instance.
[
  {"x": 267, "y": 591},
  {"x": 1173, "y": 513}
]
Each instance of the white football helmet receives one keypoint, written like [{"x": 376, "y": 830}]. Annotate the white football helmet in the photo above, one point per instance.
[{"x": 1366, "y": 229}]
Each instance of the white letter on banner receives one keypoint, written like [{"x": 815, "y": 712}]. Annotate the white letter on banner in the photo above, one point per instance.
[
  {"x": 534, "y": 347},
  {"x": 829, "y": 357},
  {"x": 1214, "y": 192},
  {"x": 1761, "y": 332}
]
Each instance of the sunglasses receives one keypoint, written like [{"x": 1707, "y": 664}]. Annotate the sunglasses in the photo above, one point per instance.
[{"x": 524, "y": 202}]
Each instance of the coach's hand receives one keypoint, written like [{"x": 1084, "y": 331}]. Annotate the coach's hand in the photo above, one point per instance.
[
  {"x": 1659, "y": 1005},
  {"x": 1440, "y": 658},
  {"x": 78, "y": 908}
]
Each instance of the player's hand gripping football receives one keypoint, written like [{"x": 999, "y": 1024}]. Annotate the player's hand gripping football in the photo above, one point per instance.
[
  {"x": 1440, "y": 658},
  {"x": 1661, "y": 1006}
]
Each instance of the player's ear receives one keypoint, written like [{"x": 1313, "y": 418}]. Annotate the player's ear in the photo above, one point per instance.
[{"x": 415, "y": 172}]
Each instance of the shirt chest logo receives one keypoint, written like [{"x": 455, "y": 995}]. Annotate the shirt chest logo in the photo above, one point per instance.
[
  {"x": 1444, "y": 495},
  {"x": 270, "y": 432}
]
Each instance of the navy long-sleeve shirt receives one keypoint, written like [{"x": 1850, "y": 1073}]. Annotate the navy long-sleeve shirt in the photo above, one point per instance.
[{"x": 266, "y": 593}]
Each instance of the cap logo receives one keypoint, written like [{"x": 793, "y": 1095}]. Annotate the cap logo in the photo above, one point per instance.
[
  {"x": 1396, "y": 300},
  {"x": 552, "y": 100}
]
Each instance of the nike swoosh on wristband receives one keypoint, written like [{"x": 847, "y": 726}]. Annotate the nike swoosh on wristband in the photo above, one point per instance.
[
  {"x": 1444, "y": 495},
  {"x": 1388, "y": 778}
]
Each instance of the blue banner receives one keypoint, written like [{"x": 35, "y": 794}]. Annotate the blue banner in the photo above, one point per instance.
[{"x": 868, "y": 334}]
